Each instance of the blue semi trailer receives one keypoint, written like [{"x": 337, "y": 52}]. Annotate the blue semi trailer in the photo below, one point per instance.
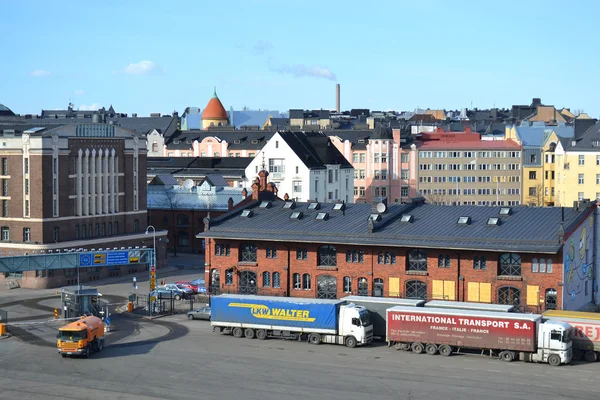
[{"x": 314, "y": 320}]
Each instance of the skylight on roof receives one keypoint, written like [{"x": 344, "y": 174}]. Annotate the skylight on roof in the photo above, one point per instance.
[
  {"x": 505, "y": 211},
  {"x": 296, "y": 215},
  {"x": 247, "y": 214},
  {"x": 375, "y": 217},
  {"x": 314, "y": 206},
  {"x": 322, "y": 216},
  {"x": 288, "y": 205},
  {"x": 493, "y": 221},
  {"x": 464, "y": 220},
  {"x": 407, "y": 218},
  {"x": 339, "y": 207},
  {"x": 265, "y": 204}
]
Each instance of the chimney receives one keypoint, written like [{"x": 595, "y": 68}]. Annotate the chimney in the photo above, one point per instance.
[{"x": 337, "y": 97}]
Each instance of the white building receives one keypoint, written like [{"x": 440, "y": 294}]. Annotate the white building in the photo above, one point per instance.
[{"x": 306, "y": 166}]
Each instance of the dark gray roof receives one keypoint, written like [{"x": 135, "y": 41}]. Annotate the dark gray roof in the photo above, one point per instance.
[
  {"x": 216, "y": 180},
  {"x": 164, "y": 179},
  {"x": 164, "y": 125},
  {"x": 528, "y": 229},
  {"x": 248, "y": 140},
  {"x": 315, "y": 149},
  {"x": 5, "y": 111},
  {"x": 588, "y": 141}
]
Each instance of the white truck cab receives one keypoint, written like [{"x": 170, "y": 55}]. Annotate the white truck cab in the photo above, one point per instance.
[
  {"x": 554, "y": 339},
  {"x": 354, "y": 322}
]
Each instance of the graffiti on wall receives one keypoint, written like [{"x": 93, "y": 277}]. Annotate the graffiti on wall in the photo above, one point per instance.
[{"x": 579, "y": 266}]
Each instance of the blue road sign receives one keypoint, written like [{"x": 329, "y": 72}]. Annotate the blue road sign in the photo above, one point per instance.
[
  {"x": 117, "y": 258},
  {"x": 104, "y": 258},
  {"x": 85, "y": 260}
]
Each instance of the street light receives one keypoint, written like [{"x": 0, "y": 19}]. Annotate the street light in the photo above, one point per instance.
[{"x": 154, "y": 247}]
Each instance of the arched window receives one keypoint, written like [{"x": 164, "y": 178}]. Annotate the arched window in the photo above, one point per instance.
[
  {"x": 229, "y": 276},
  {"x": 296, "y": 281},
  {"x": 266, "y": 279},
  {"x": 248, "y": 252},
  {"x": 549, "y": 266},
  {"x": 542, "y": 265},
  {"x": 215, "y": 280},
  {"x": 306, "y": 281},
  {"x": 509, "y": 265},
  {"x": 551, "y": 299},
  {"x": 416, "y": 290},
  {"x": 183, "y": 238},
  {"x": 154, "y": 147},
  {"x": 276, "y": 280},
  {"x": 363, "y": 287},
  {"x": 347, "y": 284},
  {"x": 326, "y": 287},
  {"x": 183, "y": 220},
  {"x": 509, "y": 295},
  {"x": 534, "y": 265},
  {"x": 416, "y": 260},
  {"x": 378, "y": 287},
  {"x": 327, "y": 256}
]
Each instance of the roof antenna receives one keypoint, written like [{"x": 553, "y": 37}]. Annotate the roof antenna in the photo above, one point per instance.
[{"x": 263, "y": 161}]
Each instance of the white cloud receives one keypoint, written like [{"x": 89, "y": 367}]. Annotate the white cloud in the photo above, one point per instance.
[
  {"x": 89, "y": 107},
  {"x": 79, "y": 92},
  {"x": 38, "y": 73},
  {"x": 300, "y": 70},
  {"x": 141, "y": 68}
]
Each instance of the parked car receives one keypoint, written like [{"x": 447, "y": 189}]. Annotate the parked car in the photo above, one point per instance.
[
  {"x": 179, "y": 292},
  {"x": 199, "y": 283},
  {"x": 201, "y": 313},
  {"x": 188, "y": 285}
]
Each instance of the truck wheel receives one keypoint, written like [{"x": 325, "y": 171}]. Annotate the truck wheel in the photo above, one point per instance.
[
  {"x": 64, "y": 355},
  {"x": 417, "y": 348},
  {"x": 445, "y": 350},
  {"x": 314, "y": 338},
  {"x": 100, "y": 345},
  {"x": 590, "y": 356},
  {"x": 238, "y": 332},
  {"x": 261, "y": 334},
  {"x": 249, "y": 333},
  {"x": 554, "y": 360},
  {"x": 506, "y": 356},
  {"x": 191, "y": 317},
  {"x": 577, "y": 355},
  {"x": 431, "y": 349},
  {"x": 87, "y": 351},
  {"x": 351, "y": 342}
]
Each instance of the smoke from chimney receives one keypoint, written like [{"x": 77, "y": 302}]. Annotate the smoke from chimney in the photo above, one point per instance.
[{"x": 337, "y": 97}]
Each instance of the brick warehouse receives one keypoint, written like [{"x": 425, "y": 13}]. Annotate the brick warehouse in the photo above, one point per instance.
[
  {"x": 467, "y": 253},
  {"x": 79, "y": 186}
]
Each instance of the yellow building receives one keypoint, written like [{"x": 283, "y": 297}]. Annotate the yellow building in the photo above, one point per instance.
[{"x": 578, "y": 168}]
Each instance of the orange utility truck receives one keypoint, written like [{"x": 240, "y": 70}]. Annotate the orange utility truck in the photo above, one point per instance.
[{"x": 81, "y": 337}]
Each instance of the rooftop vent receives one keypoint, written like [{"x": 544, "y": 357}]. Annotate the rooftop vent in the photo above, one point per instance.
[
  {"x": 361, "y": 140},
  {"x": 265, "y": 204},
  {"x": 322, "y": 216},
  {"x": 464, "y": 221},
  {"x": 505, "y": 211},
  {"x": 254, "y": 141},
  {"x": 296, "y": 215},
  {"x": 339, "y": 207},
  {"x": 595, "y": 143},
  {"x": 314, "y": 206},
  {"x": 375, "y": 217},
  {"x": 247, "y": 213},
  {"x": 237, "y": 141},
  {"x": 493, "y": 221},
  {"x": 289, "y": 205},
  {"x": 407, "y": 218}
]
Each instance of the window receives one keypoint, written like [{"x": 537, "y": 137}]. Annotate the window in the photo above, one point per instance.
[
  {"x": 4, "y": 187},
  {"x": 276, "y": 280},
  {"x": 361, "y": 191},
  {"x": 479, "y": 262},
  {"x": 297, "y": 185},
  {"x": 55, "y": 234},
  {"x": 5, "y": 233},
  {"x": 5, "y": 208},
  {"x": 26, "y": 168},
  {"x": 103, "y": 230},
  {"x": 26, "y": 186},
  {"x": 26, "y": 234},
  {"x": 271, "y": 252},
  {"x": 549, "y": 266},
  {"x": 5, "y": 166},
  {"x": 532, "y": 191},
  {"x": 297, "y": 281},
  {"x": 580, "y": 196},
  {"x": 229, "y": 276},
  {"x": 183, "y": 220},
  {"x": 533, "y": 158},
  {"x": 542, "y": 265},
  {"x": 362, "y": 157},
  {"x": 509, "y": 295},
  {"x": 376, "y": 176},
  {"x": 347, "y": 284},
  {"x": 355, "y": 157},
  {"x": 443, "y": 261},
  {"x": 277, "y": 144},
  {"x": 136, "y": 226},
  {"x": 330, "y": 176},
  {"x": 363, "y": 287},
  {"x": 76, "y": 232},
  {"x": 109, "y": 228},
  {"x": 327, "y": 256},
  {"x": 581, "y": 159},
  {"x": 248, "y": 252},
  {"x": 404, "y": 174},
  {"x": 361, "y": 174},
  {"x": 580, "y": 179},
  {"x": 416, "y": 290},
  {"x": 355, "y": 256},
  {"x": 534, "y": 265},
  {"x": 417, "y": 260},
  {"x": 301, "y": 254},
  {"x": 383, "y": 191},
  {"x": 83, "y": 231},
  {"x": 378, "y": 287},
  {"x": 116, "y": 228},
  {"x": 386, "y": 257},
  {"x": 532, "y": 175},
  {"x": 356, "y": 190},
  {"x": 154, "y": 147},
  {"x": 266, "y": 279},
  {"x": 355, "y": 174},
  {"x": 306, "y": 281},
  {"x": 510, "y": 265},
  {"x": 222, "y": 250},
  {"x": 276, "y": 165},
  {"x": 404, "y": 191}
]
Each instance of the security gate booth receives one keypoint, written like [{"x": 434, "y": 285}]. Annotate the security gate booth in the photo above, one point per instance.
[{"x": 81, "y": 300}]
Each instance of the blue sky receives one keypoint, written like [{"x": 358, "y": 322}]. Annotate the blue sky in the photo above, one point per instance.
[{"x": 157, "y": 56}]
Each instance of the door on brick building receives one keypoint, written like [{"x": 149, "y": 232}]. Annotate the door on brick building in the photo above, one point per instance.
[
  {"x": 248, "y": 283},
  {"x": 326, "y": 287},
  {"x": 551, "y": 299}
]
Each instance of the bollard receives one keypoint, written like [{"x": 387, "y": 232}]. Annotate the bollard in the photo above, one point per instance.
[
  {"x": 2, "y": 329},
  {"x": 130, "y": 306}
]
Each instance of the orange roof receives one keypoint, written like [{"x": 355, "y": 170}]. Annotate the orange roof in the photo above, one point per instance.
[{"x": 214, "y": 109}]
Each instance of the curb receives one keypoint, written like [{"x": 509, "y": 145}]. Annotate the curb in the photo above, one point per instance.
[{"x": 7, "y": 336}]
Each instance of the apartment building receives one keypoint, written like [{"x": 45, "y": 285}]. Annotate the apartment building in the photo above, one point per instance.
[{"x": 461, "y": 168}]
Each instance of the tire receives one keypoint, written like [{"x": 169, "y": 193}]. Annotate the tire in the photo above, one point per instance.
[
  {"x": 177, "y": 297},
  {"x": 577, "y": 355},
  {"x": 237, "y": 332},
  {"x": 261, "y": 334},
  {"x": 445, "y": 350},
  {"x": 314, "y": 338},
  {"x": 87, "y": 351},
  {"x": 249, "y": 333},
  {"x": 417, "y": 348},
  {"x": 191, "y": 317},
  {"x": 351, "y": 342},
  {"x": 590, "y": 356},
  {"x": 64, "y": 355},
  {"x": 507, "y": 356},
  {"x": 554, "y": 360},
  {"x": 431, "y": 349},
  {"x": 100, "y": 345}
]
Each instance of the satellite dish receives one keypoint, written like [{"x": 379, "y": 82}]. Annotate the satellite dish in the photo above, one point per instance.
[
  {"x": 381, "y": 208},
  {"x": 188, "y": 184}
]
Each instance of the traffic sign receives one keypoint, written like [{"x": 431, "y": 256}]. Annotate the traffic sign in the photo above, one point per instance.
[{"x": 104, "y": 258}]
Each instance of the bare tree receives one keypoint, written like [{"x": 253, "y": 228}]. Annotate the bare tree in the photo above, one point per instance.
[
  {"x": 536, "y": 196},
  {"x": 448, "y": 199},
  {"x": 173, "y": 202}
]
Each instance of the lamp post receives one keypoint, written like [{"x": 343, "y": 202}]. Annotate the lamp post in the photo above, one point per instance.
[{"x": 153, "y": 266}]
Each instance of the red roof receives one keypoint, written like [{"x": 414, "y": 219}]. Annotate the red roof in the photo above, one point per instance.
[
  {"x": 214, "y": 109},
  {"x": 468, "y": 144}
]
